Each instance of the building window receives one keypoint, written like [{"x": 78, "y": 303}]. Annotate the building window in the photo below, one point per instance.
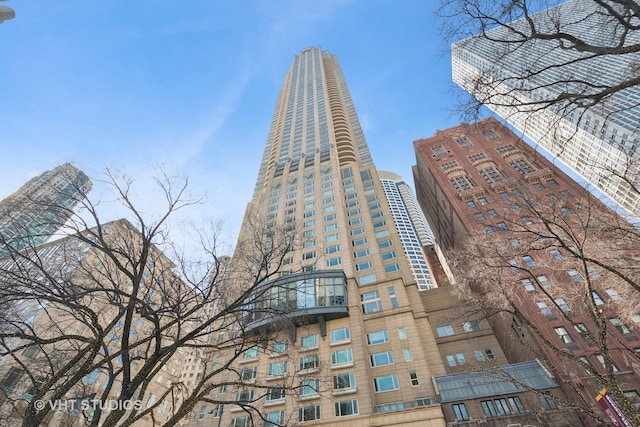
[
  {"x": 371, "y": 302},
  {"x": 604, "y": 365},
  {"x": 563, "y": 334},
  {"x": 547, "y": 403},
  {"x": 342, "y": 357},
  {"x": 460, "y": 183},
  {"x": 491, "y": 175},
  {"x": 471, "y": 204},
  {"x": 502, "y": 407},
  {"x": 309, "y": 387},
  {"x": 250, "y": 353},
  {"x": 483, "y": 201},
  {"x": 361, "y": 253},
  {"x": 460, "y": 412},
  {"x": 543, "y": 280},
  {"x": 366, "y": 265},
  {"x": 402, "y": 333},
  {"x": 248, "y": 374},
  {"x": 413, "y": 377},
  {"x": 613, "y": 294},
  {"x": 340, "y": 335},
  {"x": 408, "y": 357},
  {"x": 378, "y": 337},
  {"x": 480, "y": 216},
  {"x": 273, "y": 419},
  {"x": 544, "y": 308},
  {"x": 528, "y": 260},
  {"x": 471, "y": 326},
  {"x": 528, "y": 285},
  {"x": 619, "y": 325},
  {"x": 479, "y": 355},
  {"x": 502, "y": 226},
  {"x": 309, "y": 413},
  {"x": 489, "y": 353},
  {"x": 346, "y": 407},
  {"x": 275, "y": 393},
  {"x": 556, "y": 254},
  {"x": 451, "y": 360},
  {"x": 391, "y": 268},
  {"x": 344, "y": 381},
  {"x": 445, "y": 331},
  {"x": 244, "y": 396},
  {"x": 634, "y": 398},
  {"x": 241, "y": 421},
  {"x": 522, "y": 166},
  {"x": 492, "y": 213},
  {"x": 381, "y": 359},
  {"x": 309, "y": 362},
  {"x": 464, "y": 143},
  {"x": 574, "y": 275},
  {"x": 562, "y": 304},
  {"x": 279, "y": 347},
  {"x": 278, "y": 368},
  {"x": 309, "y": 341},
  {"x": 597, "y": 299},
  {"x": 386, "y": 383},
  {"x": 393, "y": 298}
]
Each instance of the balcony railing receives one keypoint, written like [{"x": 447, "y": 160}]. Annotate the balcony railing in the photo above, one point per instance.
[{"x": 304, "y": 299}]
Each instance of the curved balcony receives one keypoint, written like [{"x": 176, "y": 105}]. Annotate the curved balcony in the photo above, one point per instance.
[{"x": 303, "y": 299}]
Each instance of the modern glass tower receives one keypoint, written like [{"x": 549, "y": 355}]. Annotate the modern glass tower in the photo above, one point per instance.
[
  {"x": 32, "y": 214},
  {"x": 362, "y": 349},
  {"x": 599, "y": 142}
]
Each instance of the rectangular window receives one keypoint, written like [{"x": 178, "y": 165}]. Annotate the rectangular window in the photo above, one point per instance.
[
  {"x": 342, "y": 357},
  {"x": 331, "y": 237},
  {"x": 248, "y": 374},
  {"x": 241, "y": 421},
  {"x": 344, "y": 381},
  {"x": 413, "y": 377},
  {"x": 479, "y": 355},
  {"x": 544, "y": 308},
  {"x": 309, "y": 387},
  {"x": 309, "y": 362},
  {"x": 278, "y": 368},
  {"x": 361, "y": 253},
  {"x": 309, "y": 413},
  {"x": 381, "y": 359},
  {"x": 279, "y": 347},
  {"x": 340, "y": 335},
  {"x": 392, "y": 298},
  {"x": 619, "y": 325},
  {"x": 408, "y": 357},
  {"x": 359, "y": 242},
  {"x": 471, "y": 326},
  {"x": 563, "y": 334},
  {"x": 346, "y": 407},
  {"x": 309, "y": 341},
  {"x": 402, "y": 333},
  {"x": 273, "y": 419},
  {"x": 366, "y": 265},
  {"x": 445, "y": 331},
  {"x": 275, "y": 393},
  {"x": 378, "y": 337},
  {"x": 391, "y": 268},
  {"x": 386, "y": 383},
  {"x": 460, "y": 412}
]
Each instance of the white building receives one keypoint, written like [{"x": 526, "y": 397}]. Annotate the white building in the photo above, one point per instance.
[{"x": 599, "y": 142}]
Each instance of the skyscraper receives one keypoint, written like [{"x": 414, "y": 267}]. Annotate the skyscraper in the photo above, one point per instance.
[
  {"x": 481, "y": 185},
  {"x": 32, "y": 214},
  {"x": 412, "y": 226},
  {"x": 361, "y": 336},
  {"x": 596, "y": 139}
]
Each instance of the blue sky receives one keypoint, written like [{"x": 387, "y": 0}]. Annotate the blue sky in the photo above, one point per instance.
[{"x": 191, "y": 87}]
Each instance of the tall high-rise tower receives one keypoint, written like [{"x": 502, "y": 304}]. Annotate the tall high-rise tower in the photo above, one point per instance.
[
  {"x": 598, "y": 138},
  {"x": 361, "y": 349},
  {"x": 39, "y": 208}
]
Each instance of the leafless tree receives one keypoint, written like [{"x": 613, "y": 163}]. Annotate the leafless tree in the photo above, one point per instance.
[
  {"x": 99, "y": 327},
  {"x": 563, "y": 265},
  {"x": 558, "y": 72}
]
